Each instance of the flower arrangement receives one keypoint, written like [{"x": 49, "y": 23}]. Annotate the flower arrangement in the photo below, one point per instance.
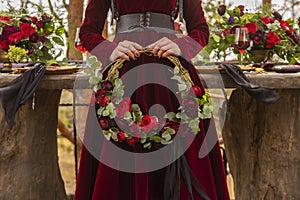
[
  {"x": 32, "y": 38},
  {"x": 122, "y": 120},
  {"x": 267, "y": 30}
]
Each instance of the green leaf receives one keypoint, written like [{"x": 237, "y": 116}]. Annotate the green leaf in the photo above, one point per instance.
[
  {"x": 135, "y": 107},
  {"x": 230, "y": 12},
  {"x": 170, "y": 115},
  {"x": 167, "y": 137},
  {"x": 105, "y": 113},
  {"x": 147, "y": 145},
  {"x": 91, "y": 59},
  {"x": 58, "y": 40},
  {"x": 48, "y": 44},
  {"x": 156, "y": 138},
  {"x": 39, "y": 53},
  {"x": 170, "y": 131},
  {"x": 127, "y": 115},
  {"x": 60, "y": 30},
  {"x": 181, "y": 87},
  {"x": 178, "y": 115},
  {"x": 164, "y": 142},
  {"x": 216, "y": 37},
  {"x": 49, "y": 28},
  {"x": 223, "y": 46}
]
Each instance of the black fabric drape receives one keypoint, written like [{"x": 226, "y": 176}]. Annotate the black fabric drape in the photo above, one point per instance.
[{"x": 16, "y": 93}]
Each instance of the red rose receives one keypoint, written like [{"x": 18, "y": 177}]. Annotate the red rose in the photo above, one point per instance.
[
  {"x": 267, "y": 20},
  {"x": 100, "y": 93},
  {"x": 15, "y": 37},
  {"x": 4, "y": 45},
  {"x": 132, "y": 141},
  {"x": 103, "y": 101},
  {"x": 121, "y": 136},
  {"x": 252, "y": 27},
  {"x": 148, "y": 123},
  {"x": 5, "y": 19},
  {"x": 123, "y": 107},
  {"x": 286, "y": 26},
  {"x": 26, "y": 29},
  {"x": 104, "y": 123},
  {"x": 272, "y": 39},
  {"x": 197, "y": 91}
]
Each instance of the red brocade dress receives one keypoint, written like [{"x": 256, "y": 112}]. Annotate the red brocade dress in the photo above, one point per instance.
[{"x": 97, "y": 181}]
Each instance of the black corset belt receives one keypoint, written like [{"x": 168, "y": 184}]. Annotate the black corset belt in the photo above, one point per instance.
[{"x": 145, "y": 21}]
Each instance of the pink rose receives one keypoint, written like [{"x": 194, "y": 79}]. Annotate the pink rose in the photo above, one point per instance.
[{"x": 123, "y": 107}]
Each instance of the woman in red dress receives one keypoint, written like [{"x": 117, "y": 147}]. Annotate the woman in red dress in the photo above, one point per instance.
[{"x": 97, "y": 180}]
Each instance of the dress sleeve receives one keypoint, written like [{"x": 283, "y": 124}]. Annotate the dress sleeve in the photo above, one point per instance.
[
  {"x": 91, "y": 30},
  {"x": 197, "y": 29}
]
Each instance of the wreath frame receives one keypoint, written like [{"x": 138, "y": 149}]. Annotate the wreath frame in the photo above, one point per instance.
[{"x": 109, "y": 94}]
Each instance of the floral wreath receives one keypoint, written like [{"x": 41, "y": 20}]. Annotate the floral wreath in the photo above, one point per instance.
[{"x": 110, "y": 104}]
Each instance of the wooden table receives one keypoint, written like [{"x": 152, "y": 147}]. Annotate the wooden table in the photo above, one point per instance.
[{"x": 262, "y": 142}]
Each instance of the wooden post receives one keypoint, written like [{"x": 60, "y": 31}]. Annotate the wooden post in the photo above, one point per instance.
[
  {"x": 28, "y": 152},
  {"x": 262, "y": 144}
]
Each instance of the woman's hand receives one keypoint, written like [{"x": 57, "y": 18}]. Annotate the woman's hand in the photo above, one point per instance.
[
  {"x": 165, "y": 47},
  {"x": 126, "y": 50}
]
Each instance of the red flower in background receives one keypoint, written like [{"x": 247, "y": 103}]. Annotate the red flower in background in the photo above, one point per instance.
[
  {"x": 26, "y": 30},
  {"x": 252, "y": 27},
  {"x": 286, "y": 26},
  {"x": 5, "y": 19},
  {"x": 15, "y": 37},
  {"x": 272, "y": 39},
  {"x": 267, "y": 20},
  {"x": 4, "y": 44}
]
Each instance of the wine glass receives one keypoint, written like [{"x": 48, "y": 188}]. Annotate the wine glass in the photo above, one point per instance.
[
  {"x": 79, "y": 46},
  {"x": 241, "y": 41}
]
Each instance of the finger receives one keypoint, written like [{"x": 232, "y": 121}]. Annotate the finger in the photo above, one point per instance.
[
  {"x": 151, "y": 46},
  {"x": 133, "y": 47},
  {"x": 134, "y": 51},
  {"x": 155, "y": 50},
  {"x": 167, "y": 53},
  {"x": 137, "y": 46},
  {"x": 161, "y": 51},
  {"x": 125, "y": 57}
]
